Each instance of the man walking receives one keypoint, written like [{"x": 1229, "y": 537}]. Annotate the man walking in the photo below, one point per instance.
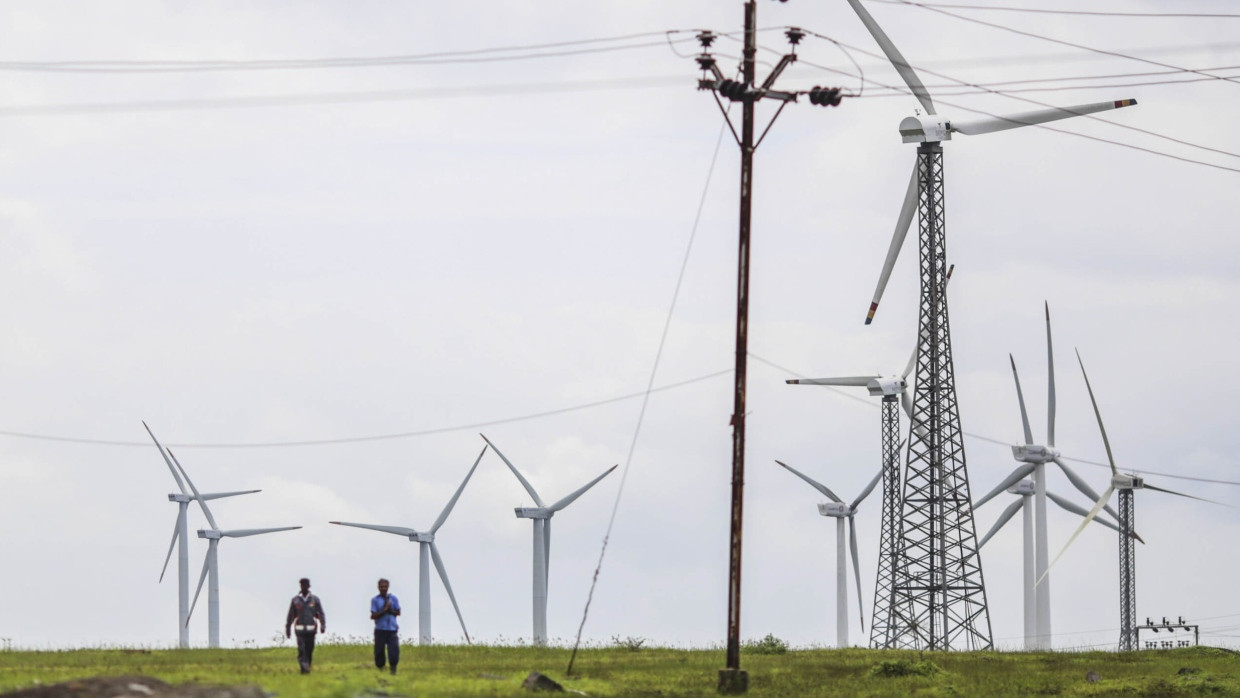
[
  {"x": 305, "y": 615},
  {"x": 383, "y": 611}
]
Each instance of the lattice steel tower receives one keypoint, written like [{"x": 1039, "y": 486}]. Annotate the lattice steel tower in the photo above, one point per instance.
[
  {"x": 889, "y": 553},
  {"x": 939, "y": 589},
  {"x": 1127, "y": 573}
]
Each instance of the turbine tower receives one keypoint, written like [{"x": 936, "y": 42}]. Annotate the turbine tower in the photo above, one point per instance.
[
  {"x": 1033, "y": 459},
  {"x": 541, "y": 517},
  {"x": 428, "y": 551},
  {"x": 180, "y": 542},
  {"x": 211, "y": 565},
  {"x": 1126, "y": 483},
  {"x": 840, "y": 511},
  {"x": 1026, "y": 489},
  {"x": 942, "y": 581}
]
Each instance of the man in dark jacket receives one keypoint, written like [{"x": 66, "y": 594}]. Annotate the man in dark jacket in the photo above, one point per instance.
[{"x": 305, "y": 615}]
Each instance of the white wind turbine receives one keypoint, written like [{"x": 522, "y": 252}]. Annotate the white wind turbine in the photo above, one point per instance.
[
  {"x": 180, "y": 541},
  {"x": 931, "y": 129},
  {"x": 1025, "y": 489},
  {"x": 427, "y": 549},
  {"x": 840, "y": 511},
  {"x": 541, "y": 517},
  {"x": 1125, "y": 484},
  {"x": 1033, "y": 458},
  {"x": 211, "y": 565}
]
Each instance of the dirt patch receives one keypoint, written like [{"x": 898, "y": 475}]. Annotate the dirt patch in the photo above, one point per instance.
[{"x": 133, "y": 687}]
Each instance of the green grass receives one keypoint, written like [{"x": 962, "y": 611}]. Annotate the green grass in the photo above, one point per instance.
[{"x": 624, "y": 670}]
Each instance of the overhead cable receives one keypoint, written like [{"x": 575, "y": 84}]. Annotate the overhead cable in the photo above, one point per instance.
[
  {"x": 1061, "y": 42},
  {"x": 1093, "y": 13}
]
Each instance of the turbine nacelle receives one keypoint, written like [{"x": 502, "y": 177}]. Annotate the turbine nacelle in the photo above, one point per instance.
[
  {"x": 886, "y": 386},
  {"x": 1033, "y": 453},
  {"x": 420, "y": 537},
  {"x": 925, "y": 129},
  {"x": 1125, "y": 481},
  {"x": 210, "y": 534},
  {"x": 1023, "y": 488},
  {"x": 534, "y": 512},
  {"x": 837, "y": 510}
]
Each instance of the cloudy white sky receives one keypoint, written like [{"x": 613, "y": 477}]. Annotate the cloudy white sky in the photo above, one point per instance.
[{"x": 419, "y": 247}]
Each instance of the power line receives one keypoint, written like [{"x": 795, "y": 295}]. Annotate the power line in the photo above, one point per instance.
[
  {"x": 1059, "y": 130},
  {"x": 1178, "y": 15},
  {"x": 260, "y": 101},
  {"x": 373, "y": 437},
  {"x": 1061, "y": 42},
  {"x": 483, "y": 55}
]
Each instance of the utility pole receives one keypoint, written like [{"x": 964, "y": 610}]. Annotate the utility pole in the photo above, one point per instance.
[{"x": 732, "y": 680}]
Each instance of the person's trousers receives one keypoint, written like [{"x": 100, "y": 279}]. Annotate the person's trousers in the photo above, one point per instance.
[
  {"x": 305, "y": 649},
  {"x": 387, "y": 639}
]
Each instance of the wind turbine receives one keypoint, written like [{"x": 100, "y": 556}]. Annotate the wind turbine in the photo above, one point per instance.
[
  {"x": 211, "y": 565},
  {"x": 180, "y": 541},
  {"x": 427, "y": 549},
  {"x": 541, "y": 517},
  {"x": 1026, "y": 489},
  {"x": 1126, "y": 484},
  {"x": 1033, "y": 459},
  {"x": 837, "y": 509},
  {"x": 944, "y": 586}
]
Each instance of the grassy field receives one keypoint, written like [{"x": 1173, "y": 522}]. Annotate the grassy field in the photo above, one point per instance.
[{"x": 346, "y": 671}]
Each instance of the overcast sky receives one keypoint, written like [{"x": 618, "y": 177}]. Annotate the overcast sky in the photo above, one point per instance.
[{"x": 388, "y": 249}]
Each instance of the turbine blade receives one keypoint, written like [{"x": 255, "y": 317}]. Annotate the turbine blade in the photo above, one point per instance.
[
  {"x": 1020, "y": 473},
  {"x": 201, "y": 579},
  {"x": 1002, "y": 123},
  {"x": 1083, "y": 487},
  {"x": 893, "y": 54},
  {"x": 443, "y": 577},
  {"x": 582, "y": 490},
  {"x": 868, "y": 489},
  {"x": 524, "y": 483},
  {"x": 197, "y": 497},
  {"x": 1181, "y": 494},
  {"x": 398, "y": 530},
  {"x": 907, "y": 209},
  {"x": 176, "y": 529},
  {"x": 1105, "y": 441},
  {"x": 163, "y": 453},
  {"x": 855, "y": 381},
  {"x": 220, "y": 495},
  {"x": 1050, "y": 381},
  {"x": 912, "y": 361},
  {"x": 1005, "y": 517},
  {"x": 1020, "y": 396},
  {"x": 812, "y": 482},
  {"x": 1088, "y": 517},
  {"x": 1075, "y": 508},
  {"x": 907, "y": 403},
  {"x": 246, "y": 532},
  {"x": 852, "y": 544},
  {"x": 443, "y": 516}
]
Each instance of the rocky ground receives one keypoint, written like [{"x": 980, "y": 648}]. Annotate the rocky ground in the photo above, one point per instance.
[{"x": 133, "y": 687}]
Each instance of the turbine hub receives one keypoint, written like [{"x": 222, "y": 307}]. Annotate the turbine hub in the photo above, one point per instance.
[
  {"x": 925, "y": 129},
  {"x": 180, "y": 498},
  {"x": 533, "y": 513},
  {"x": 1033, "y": 453},
  {"x": 209, "y": 534},
  {"x": 835, "y": 510},
  {"x": 422, "y": 537}
]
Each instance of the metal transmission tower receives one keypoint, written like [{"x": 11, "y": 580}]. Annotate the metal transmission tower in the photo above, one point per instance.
[
  {"x": 748, "y": 92},
  {"x": 942, "y": 582}
]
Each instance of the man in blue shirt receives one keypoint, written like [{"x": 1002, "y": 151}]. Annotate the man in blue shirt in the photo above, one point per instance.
[{"x": 383, "y": 611}]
